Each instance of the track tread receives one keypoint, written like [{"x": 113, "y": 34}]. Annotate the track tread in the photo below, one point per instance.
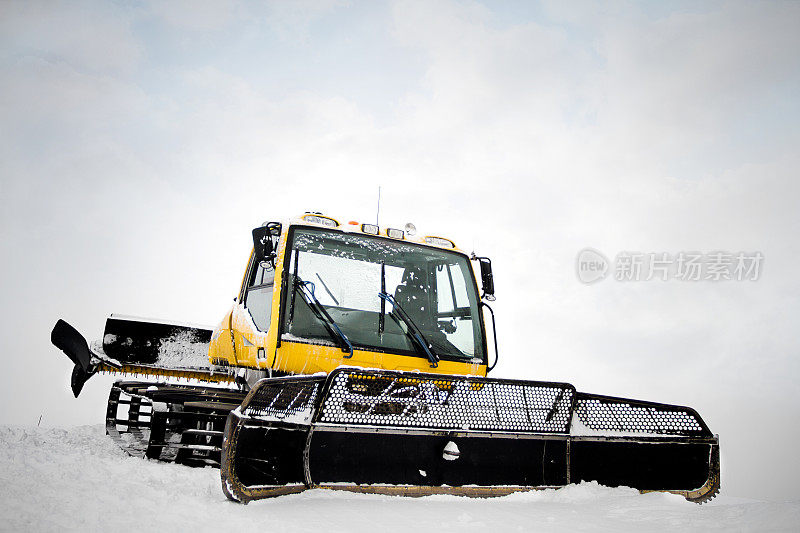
[{"x": 185, "y": 433}]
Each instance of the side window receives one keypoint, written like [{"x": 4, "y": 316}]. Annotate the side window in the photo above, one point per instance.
[
  {"x": 444, "y": 293},
  {"x": 454, "y": 310},
  {"x": 258, "y": 295},
  {"x": 451, "y": 289}
]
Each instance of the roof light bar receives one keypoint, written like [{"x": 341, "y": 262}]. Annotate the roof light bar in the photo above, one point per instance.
[
  {"x": 395, "y": 233},
  {"x": 372, "y": 229},
  {"x": 325, "y": 221},
  {"x": 440, "y": 241}
]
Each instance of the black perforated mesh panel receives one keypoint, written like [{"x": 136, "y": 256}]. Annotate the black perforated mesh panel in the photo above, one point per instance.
[
  {"x": 385, "y": 398},
  {"x": 432, "y": 401},
  {"x": 287, "y": 399},
  {"x": 606, "y": 414}
]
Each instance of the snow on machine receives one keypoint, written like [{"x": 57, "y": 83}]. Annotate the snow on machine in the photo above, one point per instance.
[{"x": 355, "y": 358}]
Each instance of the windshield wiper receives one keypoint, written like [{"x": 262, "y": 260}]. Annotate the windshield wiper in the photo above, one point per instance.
[
  {"x": 325, "y": 286},
  {"x": 322, "y": 313},
  {"x": 411, "y": 330}
]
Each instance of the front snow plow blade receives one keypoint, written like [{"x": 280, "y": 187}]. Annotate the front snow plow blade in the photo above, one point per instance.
[{"x": 416, "y": 434}]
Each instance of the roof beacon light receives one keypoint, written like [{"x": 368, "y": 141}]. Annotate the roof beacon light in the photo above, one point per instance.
[
  {"x": 370, "y": 228},
  {"x": 411, "y": 229},
  {"x": 325, "y": 221},
  {"x": 394, "y": 233},
  {"x": 440, "y": 241}
]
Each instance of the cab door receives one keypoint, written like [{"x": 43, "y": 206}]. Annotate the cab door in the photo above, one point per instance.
[{"x": 252, "y": 314}]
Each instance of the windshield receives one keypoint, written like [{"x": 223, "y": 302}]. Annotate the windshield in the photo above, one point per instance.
[{"x": 434, "y": 287}]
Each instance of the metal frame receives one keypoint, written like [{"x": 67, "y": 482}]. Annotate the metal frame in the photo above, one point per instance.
[{"x": 239, "y": 420}]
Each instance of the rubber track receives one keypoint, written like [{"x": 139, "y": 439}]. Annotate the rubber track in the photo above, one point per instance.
[{"x": 170, "y": 422}]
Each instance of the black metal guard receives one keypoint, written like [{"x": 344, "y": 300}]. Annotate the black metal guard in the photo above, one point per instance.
[
  {"x": 289, "y": 399},
  {"x": 345, "y": 430},
  {"x": 431, "y": 401},
  {"x": 609, "y": 414}
]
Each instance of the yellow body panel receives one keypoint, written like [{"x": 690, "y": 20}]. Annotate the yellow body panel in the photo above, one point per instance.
[
  {"x": 302, "y": 358},
  {"x": 220, "y": 350}
]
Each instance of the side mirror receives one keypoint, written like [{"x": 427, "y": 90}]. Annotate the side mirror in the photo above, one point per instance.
[
  {"x": 264, "y": 248},
  {"x": 486, "y": 277}
]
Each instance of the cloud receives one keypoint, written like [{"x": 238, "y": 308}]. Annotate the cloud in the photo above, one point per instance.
[
  {"x": 695, "y": 82},
  {"x": 85, "y": 35},
  {"x": 196, "y": 16},
  {"x": 291, "y": 21}
]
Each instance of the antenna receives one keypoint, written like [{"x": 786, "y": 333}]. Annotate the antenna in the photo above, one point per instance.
[{"x": 378, "y": 214}]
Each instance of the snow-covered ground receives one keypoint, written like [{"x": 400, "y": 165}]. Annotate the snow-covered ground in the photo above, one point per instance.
[{"x": 77, "y": 479}]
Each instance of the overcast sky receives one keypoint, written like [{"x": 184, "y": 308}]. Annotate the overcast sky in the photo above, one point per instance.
[{"x": 141, "y": 142}]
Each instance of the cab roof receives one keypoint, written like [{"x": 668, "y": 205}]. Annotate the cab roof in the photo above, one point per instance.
[{"x": 353, "y": 226}]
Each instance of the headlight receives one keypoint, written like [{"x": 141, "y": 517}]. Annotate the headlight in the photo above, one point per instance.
[
  {"x": 372, "y": 229},
  {"x": 317, "y": 219},
  {"x": 440, "y": 241}
]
